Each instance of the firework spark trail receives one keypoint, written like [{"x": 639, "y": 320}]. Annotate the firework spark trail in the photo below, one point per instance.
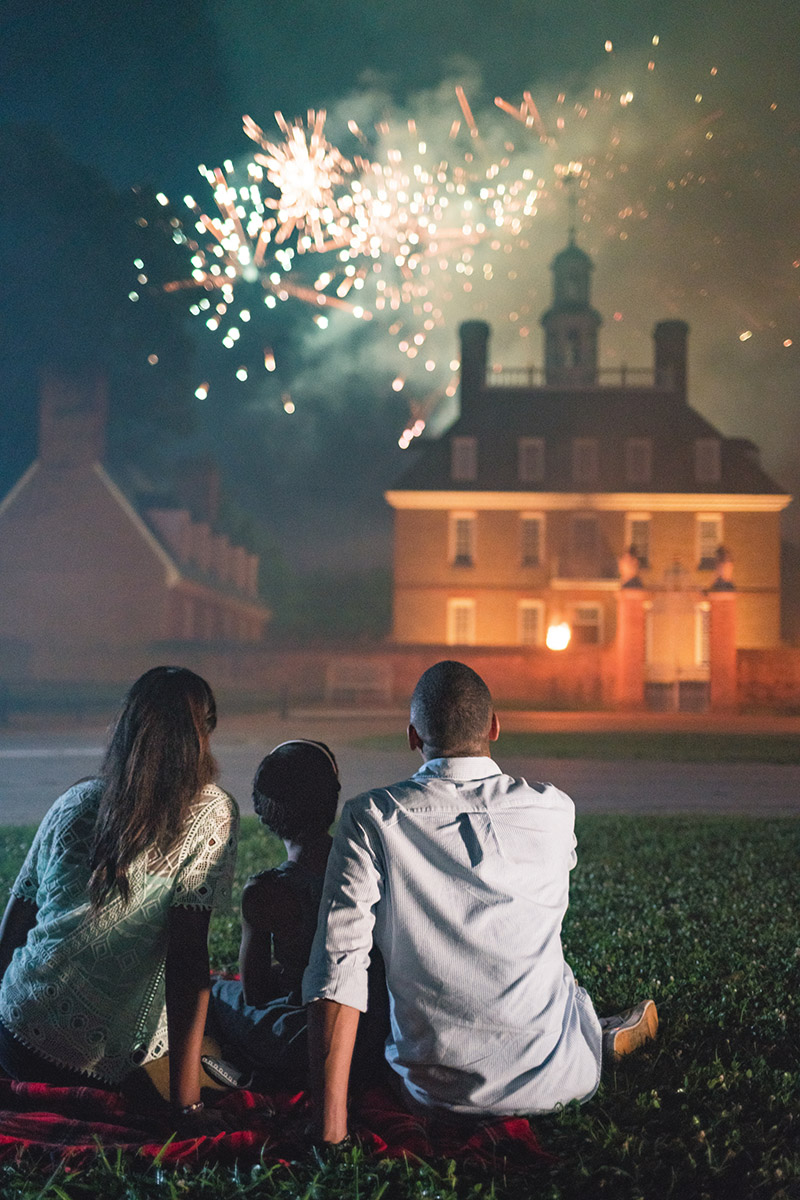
[
  {"x": 400, "y": 229},
  {"x": 467, "y": 111},
  {"x": 533, "y": 114},
  {"x": 517, "y": 113},
  {"x": 405, "y": 224}
]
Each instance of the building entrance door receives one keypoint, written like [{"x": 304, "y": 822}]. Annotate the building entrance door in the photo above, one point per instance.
[{"x": 677, "y": 646}]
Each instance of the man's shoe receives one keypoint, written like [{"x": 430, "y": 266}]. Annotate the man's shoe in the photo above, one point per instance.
[{"x": 627, "y": 1031}]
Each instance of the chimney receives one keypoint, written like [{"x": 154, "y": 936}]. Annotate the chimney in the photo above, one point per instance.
[
  {"x": 670, "y": 339},
  {"x": 474, "y": 361},
  {"x": 72, "y": 419}
]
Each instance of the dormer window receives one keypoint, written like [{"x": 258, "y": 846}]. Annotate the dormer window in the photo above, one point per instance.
[
  {"x": 638, "y": 460},
  {"x": 584, "y": 460},
  {"x": 530, "y": 459},
  {"x": 464, "y": 459},
  {"x": 707, "y": 460}
]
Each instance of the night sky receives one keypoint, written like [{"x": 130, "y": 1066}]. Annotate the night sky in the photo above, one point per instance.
[{"x": 687, "y": 203}]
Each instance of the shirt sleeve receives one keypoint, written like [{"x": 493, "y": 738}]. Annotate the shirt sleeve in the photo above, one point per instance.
[
  {"x": 26, "y": 885},
  {"x": 340, "y": 955},
  {"x": 205, "y": 875},
  {"x": 28, "y": 881}
]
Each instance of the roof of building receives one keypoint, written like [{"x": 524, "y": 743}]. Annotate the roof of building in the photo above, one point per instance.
[{"x": 500, "y": 416}]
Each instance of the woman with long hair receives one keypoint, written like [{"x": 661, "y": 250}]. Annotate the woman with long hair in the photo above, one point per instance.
[{"x": 103, "y": 946}]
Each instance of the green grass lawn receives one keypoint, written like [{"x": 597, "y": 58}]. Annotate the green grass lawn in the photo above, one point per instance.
[
  {"x": 703, "y": 914},
  {"x": 618, "y": 745}
]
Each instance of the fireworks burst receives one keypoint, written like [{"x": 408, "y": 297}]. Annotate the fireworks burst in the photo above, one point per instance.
[
  {"x": 417, "y": 227},
  {"x": 394, "y": 232},
  {"x": 306, "y": 169}
]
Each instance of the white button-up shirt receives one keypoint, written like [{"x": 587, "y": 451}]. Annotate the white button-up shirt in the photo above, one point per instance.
[{"x": 460, "y": 875}]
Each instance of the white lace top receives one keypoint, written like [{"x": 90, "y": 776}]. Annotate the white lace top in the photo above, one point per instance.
[{"x": 86, "y": 991}]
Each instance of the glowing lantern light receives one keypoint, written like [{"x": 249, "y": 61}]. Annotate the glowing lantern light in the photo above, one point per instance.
[{"x": 558, "y": 636}]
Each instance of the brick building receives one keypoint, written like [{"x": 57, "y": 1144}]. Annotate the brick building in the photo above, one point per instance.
[
  {"x": 596, "y": 499},
  {"x": 92, "y": 583}
]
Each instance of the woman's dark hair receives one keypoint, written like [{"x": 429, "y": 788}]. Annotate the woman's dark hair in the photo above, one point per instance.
[
  {"x": 296, "y": 789},
  {"x": 158, "y": 759}
]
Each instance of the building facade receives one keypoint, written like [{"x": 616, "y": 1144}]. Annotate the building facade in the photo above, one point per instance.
[
  {"x": 554, "y": 497},
  {"x": 91, "y": 581}
]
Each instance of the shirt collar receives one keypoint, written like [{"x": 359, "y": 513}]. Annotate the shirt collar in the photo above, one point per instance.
[{"x": 477, "y": 767}]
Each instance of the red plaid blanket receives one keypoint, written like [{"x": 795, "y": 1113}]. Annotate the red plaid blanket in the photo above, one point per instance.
[{"x": 75, "y": 1122}]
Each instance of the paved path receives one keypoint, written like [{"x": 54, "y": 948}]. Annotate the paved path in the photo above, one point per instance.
[{"x": 37, "y": 764}]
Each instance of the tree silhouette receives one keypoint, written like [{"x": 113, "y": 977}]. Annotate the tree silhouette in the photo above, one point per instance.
[{"x": 68, "y": 248}]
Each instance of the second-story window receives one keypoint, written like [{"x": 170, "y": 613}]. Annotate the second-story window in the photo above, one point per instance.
[
  {"x": 584, "y": 460},
  {"x": 531, "y": 539},
  {"x": 709, "y": 540},
  {"x": 464, "y": 459},
  {"x": 638, "y": 460},
  {"x": 707, "y": 460},
  {"x": 585, "y": 536},
  {"x": 637, "y": 536},
  {"x": 530, "y": 459},
  {"x": 462, "y": 539}
]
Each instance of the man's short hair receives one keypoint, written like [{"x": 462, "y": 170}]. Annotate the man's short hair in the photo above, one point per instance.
[{"x": 451, "y": 709}]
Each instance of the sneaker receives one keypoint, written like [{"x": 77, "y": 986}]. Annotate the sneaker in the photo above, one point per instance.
[{"x": 627, "y": 1031}]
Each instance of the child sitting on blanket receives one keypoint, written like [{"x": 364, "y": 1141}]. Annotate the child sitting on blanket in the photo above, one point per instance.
[{"x": 260, "y": 1022}]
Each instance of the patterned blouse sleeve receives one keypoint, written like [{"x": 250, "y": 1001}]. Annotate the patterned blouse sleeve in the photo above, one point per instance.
[
  {"x": 26, "y": 885},
  {"x": 205, "y": 873}
]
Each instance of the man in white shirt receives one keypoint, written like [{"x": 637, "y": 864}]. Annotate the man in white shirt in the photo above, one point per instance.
[{"x": 460, "y": 876}]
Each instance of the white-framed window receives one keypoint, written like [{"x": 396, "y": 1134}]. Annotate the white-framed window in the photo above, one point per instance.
[
  {"x": 638, "y": 459},
  {"x": 531, "y": 539},
  {"x": 587, "y": 624},
  {"x": 637, "y": 536},
  {"x": 707, "y": 460},
  {"x": 460, "y": 622},
  {"x": 530, "y": 622},
  {"x": 462, "y": 539},
  {"x": 709, "y": 540},
  {"x": 464, "y": 459},
  {"x": 530, "y": 459},
  {"x": 702, "y": 634},
  {"x": 584, "y": 460}
]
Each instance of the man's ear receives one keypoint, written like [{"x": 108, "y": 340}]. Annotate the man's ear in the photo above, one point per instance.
[
  {"x": 414, "y": 740},
  {"x": 494, "y": 728}
]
